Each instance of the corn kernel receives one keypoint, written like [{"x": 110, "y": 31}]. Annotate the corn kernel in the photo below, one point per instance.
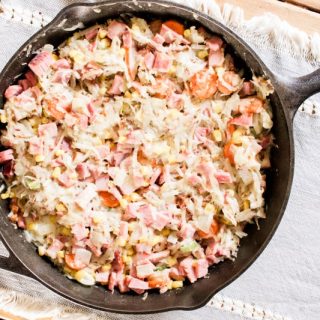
[
  {"x": 61, "y": 207},
  {"x": 106, "y": 267},
  {"x": 169, "y": 285},
  {"x": 39, "y": 158},
  {"x": 177, "y": 284},
  {"x": 217, "y": 135},
  {"x": 60, "y": 254},
  {"x": 3, "y": 118},
  {"x": 246, "y": 204},
  {"x": 121, "y": 242},
  {"x": 131, "y": 226},
  {"x": 102, "y": 33},
  {"x": 236, "y": 136},
  {"x": 208, "y": 208},
  {"x": 56, "y": 172},
  {"x": 123, "y": 203},
  {"x": 171, "y": 261},
  {"x": 217, "y": 107},
  {"x": 44, "y": 120},
  {"x": 187, "y": 33},
  {"x": 155, "y": 240},
  {"x": 54, "y": 56},
  {"x": 165, "y": 232},
  {"x": 172, "y": 159},
  {"x": 122, "y": 139},
  {"x": 130, "y": 252},
  {"x": 5, "y": 195},
  {"x": 76, "y": 56},
  {"x": 12, "y": 194},
  {"x": 172, "y": 69},
  {"x": 202, "y": 54},
  {"x": 59, "y": 153},
  {"x": 133, "y": 197},
  {"x": 85, "y": 277},
  {"x": 103, "y": 91},
  {"x": 127, "y": 260},
  {"x": 53, "y": 219},
  {"x": 41, "y": 250},
  {"x": 65, "y": 231},
  {"x": 96, "y": 220}
]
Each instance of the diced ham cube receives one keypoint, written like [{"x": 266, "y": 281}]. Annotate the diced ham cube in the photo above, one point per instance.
[
  {"x": 149, "y": 60},
  {"x": 24, "y": 83},
  {"x": 187, "y": 231},
  {"x": 112, "y": 281},
  {"x": 13, "y": 91},
  {"x": 41, "y": 63},
  {"x": 175, "y": 100},
  {"x": 122, "y": 282},
  {"x": 6, "y": 155},
  {"x": 8, "y": 169},
  {"x": 187, "y": 266},
  {"x": 86, "y": 195},
  {"x": 156, "y": 174},
  {"x": 53, "y": 249},
  {"x": 216, "y": 58},
  {"x": 49, "y": 129},
  {"x": 117, "y": 85},
  {"x": 79, "y": 231},
  {"x": 102, "y": 183},
  {"x": 116, "y": 29},
  {"x": 215, "y": 43},
  {"x": 61, "y": 64},
  {"x": 83, "y": 171},
  {"x": 124, "y": 229},
  {"x": 161, "y": 219},
  {"x": 65, "y": 180},
  {"x": 35, "y": 146},
  {"x": 130, "y": 56},
  {"x": 170, "y": 36},
  {"x": 82, "y": 256},
  {"x": 245, "y": 120},
  {"x": 144, "y": 270},
  {"x": 247, "y": 89},
  {"x": 31, "y": 77},
  {"x": 201, "y": 268},
  {"x": 62, "y": 76},
  {"x": 162, "y": 62},
  {"x": 137, "y": 284},
  {"x": 158, "y": 39},
  {"x": 92, "y": 33},
  {"x": 175, "y": 274},
  {"x": 158, "y": 256},
  {"x": 70, "y": 120},
  {"x": 223, "y": 176},
  {"x": 102, "y": 277},
  {"x": 143, "y": 248}
]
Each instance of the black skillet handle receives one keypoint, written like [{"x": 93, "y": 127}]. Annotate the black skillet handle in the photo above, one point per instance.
[
  {"x": 12, "y": 263},
  {"x": 294, "y": 91}
]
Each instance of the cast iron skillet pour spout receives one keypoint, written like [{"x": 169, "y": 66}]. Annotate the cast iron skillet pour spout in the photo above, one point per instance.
[{"x": 288, "y": 95}]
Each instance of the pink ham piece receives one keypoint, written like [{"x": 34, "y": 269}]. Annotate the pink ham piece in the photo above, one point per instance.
[
  {"x": 92, "y": 33},
  {"x": 158, "y": 39},
  {"x": 187, "y": 231},
  {"x": 70, "y": 120},
  {"x": 201, "y": 268},
  {"x": 149, "y": 60},
  {"x": 35, "y": 146},
  {"x": 24, "y": 83},
  {"x": 158, "y": 256},
  {"x": 102, "y": 183},
  {"x": 175, "y": 100},
  {"x": 53, "y": 249},
  {"x": 187, "y": 266},
  {"x": 162, "y": 62},
  {"x": 13, "y": 91},
  {"x": 8, "y": 169},
  {"x": 62, "y": 76},
  {"x": 85, "y": 196},
  {"x": 143, "y": 248},
  {"x": 144, "y": 270},
  {"x": 6, "y": 155},
  {"x": 130, "y": 55},
  {"x": 137, "y": 285},
  {"x": 156, "y": 174},
  {"x": 215, "y": 43},
  {"x": 124, "y": 230},
  {"x": 175, "y": 274},
  {"x": 83, "y": 171},
  {"x": 116, "y": 29},
  {"x": 41, "y": 63},
  {"x": 245, "y": 120},
  {"x": 112, "y": 281},
  {"x": 223, "y": 176},
  {"x": 102, "y": 277},
  {"x": 82, "y": 256},
  {"x": 65, "y": 180},
  {"x": 31, "y": 77},
  {"x": 161, "y": 219},
  {"x": 216, "y": 58},
  {"x": 61, "y": 64},
  {"x": 79, "y": 231},
  {"x": 117, "y": 85},
  {"x": 170, "y": 36},
  {"x": 49, "y": 129},
  {"x": 247, "y": 89},
  {"x": 123, "y": 282}
]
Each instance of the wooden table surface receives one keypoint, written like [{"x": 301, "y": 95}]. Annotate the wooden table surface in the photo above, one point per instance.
[{"x": 304, "y": 14}]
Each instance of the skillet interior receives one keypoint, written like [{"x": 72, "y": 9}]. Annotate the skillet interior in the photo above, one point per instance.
[{"x": 278, "y": 182}]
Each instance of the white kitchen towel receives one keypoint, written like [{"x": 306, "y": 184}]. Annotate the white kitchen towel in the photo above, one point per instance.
[{"x": 284, "y": 283}]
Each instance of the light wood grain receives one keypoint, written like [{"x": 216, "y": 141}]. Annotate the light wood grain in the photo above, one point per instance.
[
  {"x": 311, "y": 4},
  {"x": 301, "y": 18}
]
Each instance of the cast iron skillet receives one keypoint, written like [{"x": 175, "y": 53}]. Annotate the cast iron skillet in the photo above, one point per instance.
[{"x": 289, "y": 94}]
